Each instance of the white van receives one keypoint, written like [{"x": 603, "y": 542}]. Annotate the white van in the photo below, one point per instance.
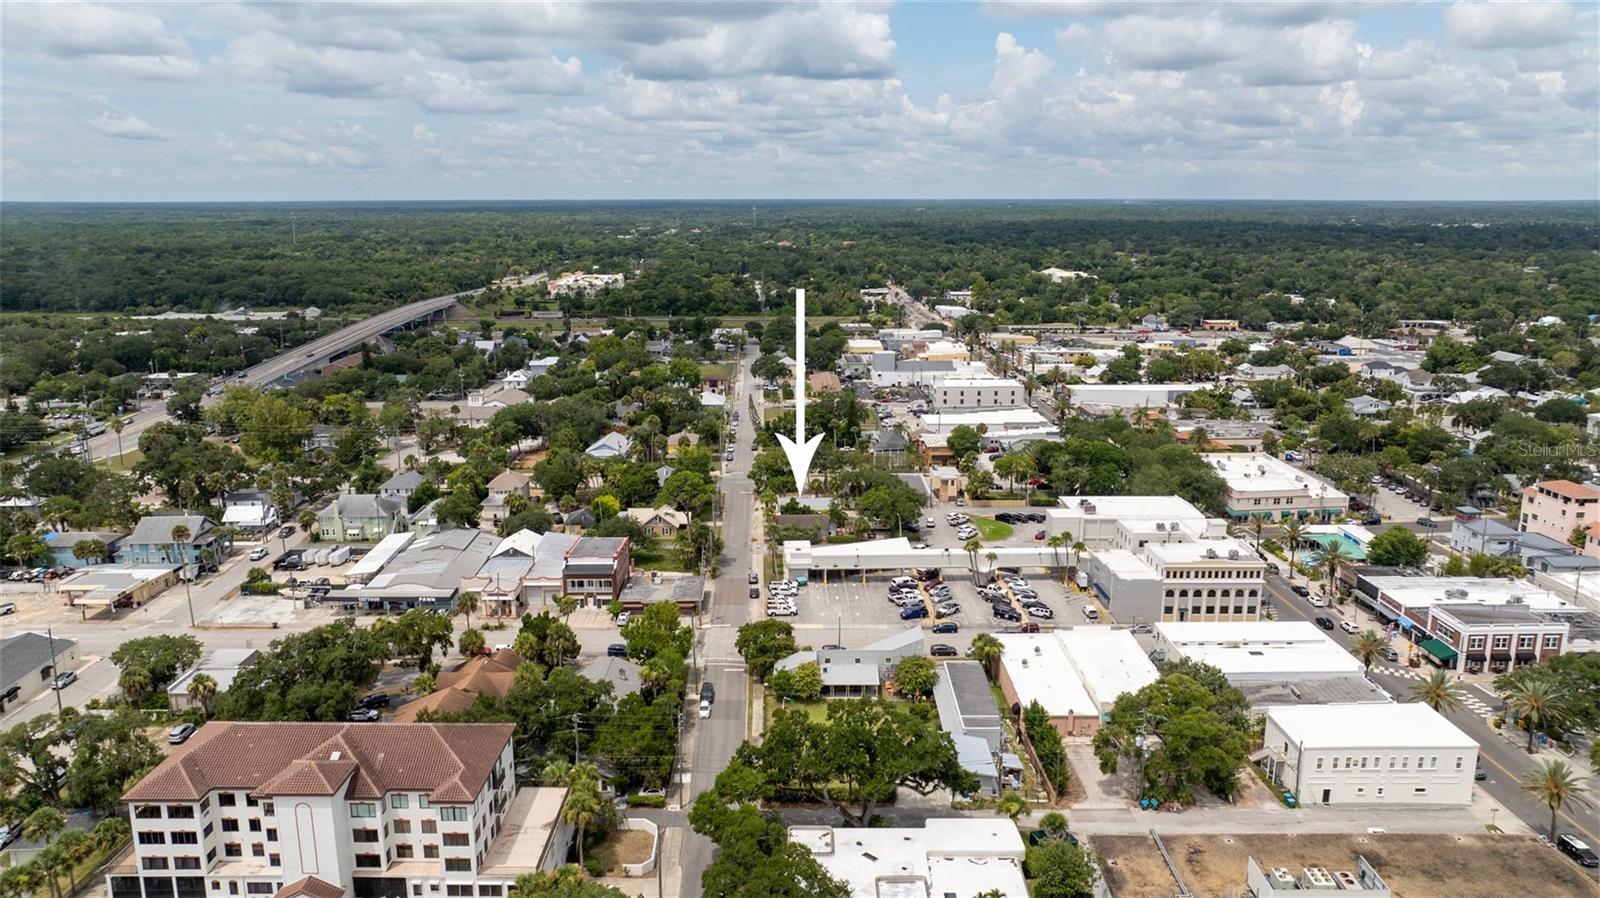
[{"x": 903, "y": 581}]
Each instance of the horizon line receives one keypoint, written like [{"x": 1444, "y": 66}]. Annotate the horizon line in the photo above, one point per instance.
[{"x": 780, "y": 199}]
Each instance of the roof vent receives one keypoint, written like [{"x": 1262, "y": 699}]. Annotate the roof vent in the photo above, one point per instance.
[
  {"x": 1036, "y": 650},
  {"x": 335, "y": 756}
]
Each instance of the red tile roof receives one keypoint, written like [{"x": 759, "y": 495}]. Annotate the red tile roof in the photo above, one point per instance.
[
  {"x": 310, "y": 887},
  {"x": 449, "y": 761},
  {"x": 1569, "y": 489}
]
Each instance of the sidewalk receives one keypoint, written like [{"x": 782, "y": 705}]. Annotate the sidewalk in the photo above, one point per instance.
[{"x": 1279, "y": 819}]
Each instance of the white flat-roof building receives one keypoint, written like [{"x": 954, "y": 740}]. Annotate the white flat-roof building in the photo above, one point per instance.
[
  {"x": 993, "y": 420},
  {"x": 959, "y": 857},
  {"x": 1075, "y": 674},
  {"x": 1261, "y": 485},
  {"x": 1257, "y": 649},
  {"x": 968, "y": 393},
  {"x": 1131, "y": 396},
  {"x": 1360, "y": 754},
  {"x": 1129, "y": 522}
]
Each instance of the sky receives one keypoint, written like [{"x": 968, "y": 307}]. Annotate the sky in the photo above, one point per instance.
[{"x": 1297, "y": 99}]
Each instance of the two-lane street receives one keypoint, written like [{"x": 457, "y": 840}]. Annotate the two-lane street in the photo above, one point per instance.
[{"x": 714, "y": 739}]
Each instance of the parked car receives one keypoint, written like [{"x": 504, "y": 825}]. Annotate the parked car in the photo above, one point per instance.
[
  {"x": 1091, "y": 613},
  {"x": 1575, "y": 848},
  {"x": 705, "y": 709},
  {"x": 1480, "y": 774},
  {"x": 180, "y": 733},
  {"x": 947, "y": 609},
  {"x": 755, "y": 592},
  {"x": 708, "y": 692},
  {"x": 365, "y": 715},
  {"x": 1006, "y": 612},
  {"x": 941, "y": 650},
  {"x": 7, "y": 608},
  {"x": 1039, "y": 611},
  {"x": 914, "y": 612},
  {"x": 1390, "y": 655},
  {"x": 1143, "y": 630},
  {"x": 1325, "y": 623},
  {"x": 375, "y": 700},
  {"x": 754, "y": 577},
  {"x": 789, "y": 611},
  {"x": 258, "y": 553},
  {"x": 617, "y": 650},
  {"x": 64, "y": 679},
  {"x": 1301, "y": 591},
  {"x": 948, "y": 626},
  {"x": 1349, "y": 627},
  {"x": 9, "y": 833}
]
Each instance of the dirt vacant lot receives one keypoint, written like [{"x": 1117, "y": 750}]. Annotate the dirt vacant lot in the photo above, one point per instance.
[{"x": 1414, "y": 866}]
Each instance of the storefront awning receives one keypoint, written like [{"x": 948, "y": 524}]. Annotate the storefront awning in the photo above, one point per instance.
[{"x": 1438, "y": 651}]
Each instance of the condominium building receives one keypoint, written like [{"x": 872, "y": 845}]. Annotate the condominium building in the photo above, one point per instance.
[
  {"x": 329, "y": 810},
  {"x": 1554, "y": 507},
  {"x": 968, "y": 393}
]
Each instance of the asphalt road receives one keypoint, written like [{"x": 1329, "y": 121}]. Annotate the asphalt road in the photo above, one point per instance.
[
  {"x": 1506, "y": 760},
  {"x": 714, "y": 739},
  {"x": 317, "y": 352}
]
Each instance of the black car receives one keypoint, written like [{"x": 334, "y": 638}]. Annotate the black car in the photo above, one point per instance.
[
  {"x": 941, "y": 650},
  {"x": 1036, "y": 518},
  {"x": 755, "y": 592},
  {"x": 375, "y": 700},
  {"x": 1006, "y": 612},
  {"x": 1325, "y": 623},
  {"x": 948, "y": 626},
  {"x": 1301, "y": 591},
  {"x": 708, "y": 692},
  {"x": 1575, "y": 848},
  {"x": 617, "y": 650},
  {"x": 1480, "y": 774},
  {"x": 286, "y": 532}
]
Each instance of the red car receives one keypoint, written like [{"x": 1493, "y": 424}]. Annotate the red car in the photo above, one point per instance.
[{"x": 1039, "y": 535}]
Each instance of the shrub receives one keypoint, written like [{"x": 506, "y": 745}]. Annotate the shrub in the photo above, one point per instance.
[{"x": 647, "y": 801}]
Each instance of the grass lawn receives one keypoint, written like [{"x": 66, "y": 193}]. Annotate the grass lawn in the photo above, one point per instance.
[
  {"x": 660, "y": 560},
  {"x": 818, "y": 710},
  {"x": 990, "y": 529}
]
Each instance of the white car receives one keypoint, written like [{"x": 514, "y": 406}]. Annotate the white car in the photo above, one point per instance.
[
  {"x": 1349, "y": 627},
  {"x": 623, "y": 618},
  {"x": 258, "y": 553},
  {"x": 1317, "y": 601}
]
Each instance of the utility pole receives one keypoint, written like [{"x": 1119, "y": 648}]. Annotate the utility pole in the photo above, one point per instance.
[{"x": 50, "y": 634}]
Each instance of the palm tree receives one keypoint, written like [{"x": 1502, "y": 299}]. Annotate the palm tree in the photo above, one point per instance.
[
  {"x": 136, "y": 683},
  {"x": 1368, "y": 647},
  {"x": 566, "y": 605},
  {"x": 1555, "y": 784},
  {"x": 75, "y": 845},
  {"x": 91, "y": 550},
  {"x": 202, "y": 689},
  {"x": 581, "y": 809},
  {"x": 1078, "y": 548},
  {"x": 180, "y": 536},
  {"x": 1438, "y": 692},
  {"x": 111, "y": 831},
  {"x": 1293, "y": 531},
  {"x": 1539, "y": 701},
  {"x": 992, "y": 558},
  {"x": 43, "y": 824},
  {"x": 1055, "y": 543},
  {"x": 1054, "y": 824},
  {"x": 1012, "y": 804},
  {"x": 971, "y": 547},
  {"x": 1256, "y": 523},
  {"x": 466, "y": 603},
  {"x": 986, "y": 650},
  {"x": 1329, "y": 559},
  {"x": 116, "y": 424}
]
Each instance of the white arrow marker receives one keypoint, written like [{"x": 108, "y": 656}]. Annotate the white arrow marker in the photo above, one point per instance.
[{"x": 800, "y": 450}]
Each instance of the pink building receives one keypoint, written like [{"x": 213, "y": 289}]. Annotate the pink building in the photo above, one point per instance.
[{"x": 1554, "y": 507}]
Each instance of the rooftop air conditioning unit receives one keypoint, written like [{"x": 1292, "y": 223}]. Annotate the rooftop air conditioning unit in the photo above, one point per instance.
[
  {"x": 1282, "y": 878},
  {"x": 1211, "y": 553},
  {"x": 1233, "y": 554},
  {"x": 1088, "y": 507},
  {"x": 1516, "y": 599},
  {"x": 1455, "y": 593},
  {"x": 1160, "y": 527},
  {"x": 1318, "y": 878},
  {"x": 1347, "y": 879}
]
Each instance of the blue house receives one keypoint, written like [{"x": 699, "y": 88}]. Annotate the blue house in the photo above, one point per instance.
[
  {"x": 151, "y": 541},
  {"x": 62, "y": 541}
]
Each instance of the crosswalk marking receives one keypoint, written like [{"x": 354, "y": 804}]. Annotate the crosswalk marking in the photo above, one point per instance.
[{"x": 1469, "y": 701}]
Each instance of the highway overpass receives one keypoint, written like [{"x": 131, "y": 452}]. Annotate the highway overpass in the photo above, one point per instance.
[{"x": 288, "y": 367}]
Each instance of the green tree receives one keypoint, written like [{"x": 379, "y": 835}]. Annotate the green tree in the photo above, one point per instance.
[
  {"x": 162, "y": 657},
  {"x": 914, "y": 676},
  {"x": 986, "y": 650},
  {"x": 471, "y": 642},
  {"x": 202, "y": 689},
  {"x": 964, "y": 441},
  {"x": 857, "y": 757},
  {"x": 315, "y": 675},
  {"x": 582, "y": 809},
  {"x": 1012, "y": 805},
  {"x": 415, "y": 634},
  {"x": 763, "y": 643},
  {"x": 1554, "y": 784},
  {"x": 1368, "y": 646},
  {"x": 1538, "y": 700},
  {"x": 93, "y": 551},
  {"x": 562, "y": 882},
  {"x": 109, "y": 753},
  {"x": 1202, "y": 725},
  {"x": 1438, "y": 692},
  {"x": 1060, "y": 869},
  {"x": 655, "y": 630},
  {"x": 466, "y": 603},
  {"x": 1397, "y": 546},
  {"x": 802, "y": 683},
  {"x": 1332, "y": 557}
]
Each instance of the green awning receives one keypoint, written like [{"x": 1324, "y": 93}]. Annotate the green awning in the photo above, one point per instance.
[{"x": 1438, "y": 651}]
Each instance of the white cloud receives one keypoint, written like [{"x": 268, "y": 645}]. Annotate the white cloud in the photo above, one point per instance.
[
  {"x": 1487, "y": 26},
  {"x": 116, "y": 39},
  {"x": 449, "y": 92},
  {"x": 292, "y": 148},
  {"x": 830, "y": 41},
  {"x": 114, "y": 122}
]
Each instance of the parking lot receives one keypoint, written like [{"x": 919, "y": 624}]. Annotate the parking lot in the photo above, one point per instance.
[{"x": 852, "y": 610}]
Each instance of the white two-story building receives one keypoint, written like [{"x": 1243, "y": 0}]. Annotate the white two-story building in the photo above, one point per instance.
[
  {"x": 1369, "y": 753},
  {"x": 328, "y": 810}
]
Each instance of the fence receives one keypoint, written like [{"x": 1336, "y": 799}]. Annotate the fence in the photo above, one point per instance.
[{"x": 648, "y": 866}]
